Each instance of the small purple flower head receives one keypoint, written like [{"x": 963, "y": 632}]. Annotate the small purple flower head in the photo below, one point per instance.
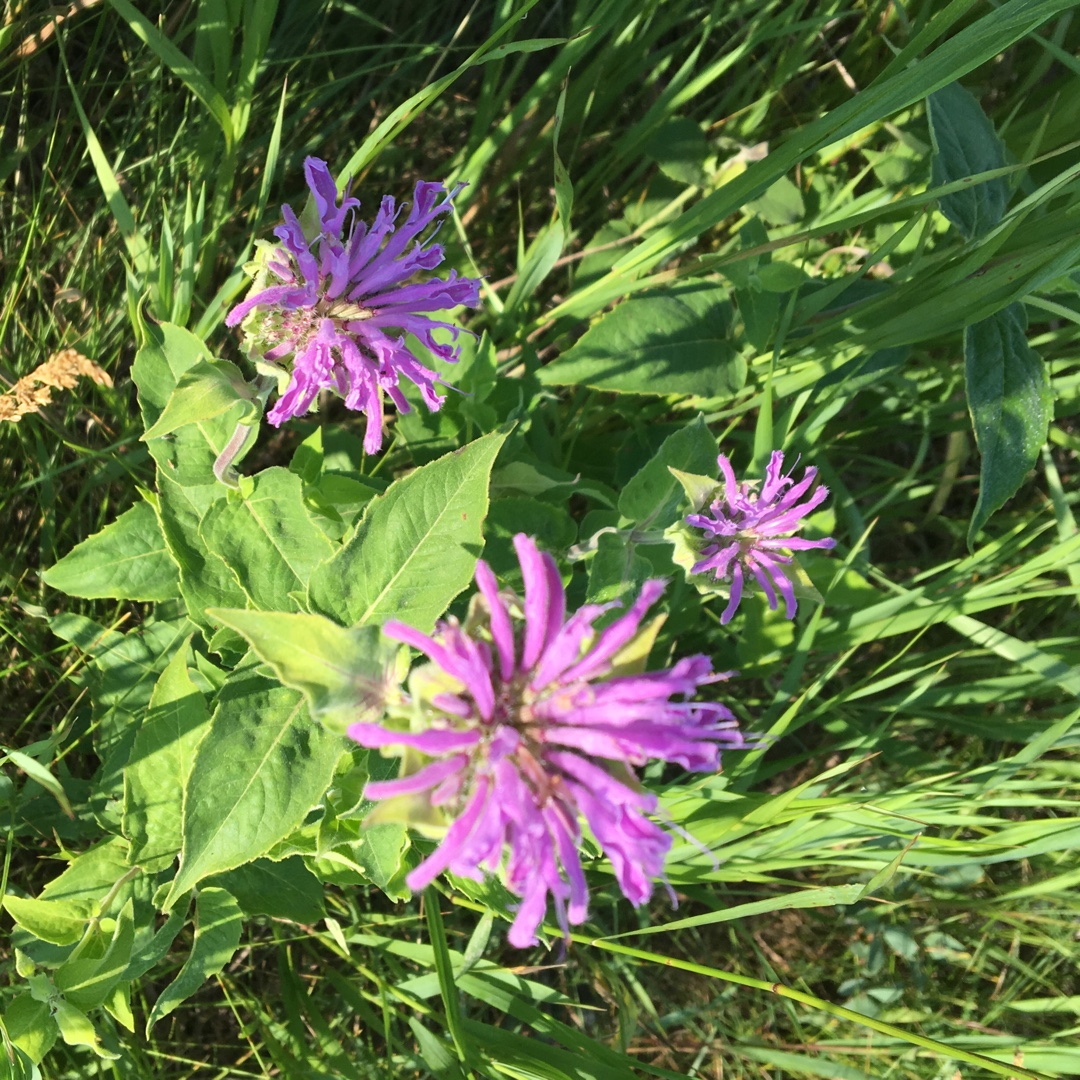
[
  {"x": 748, "y": 528},
  {"x": 533, "y": 723},
  {"x": 330, "y": 311}
]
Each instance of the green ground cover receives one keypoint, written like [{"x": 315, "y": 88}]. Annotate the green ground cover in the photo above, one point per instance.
[{"x": 759, "y": 214}]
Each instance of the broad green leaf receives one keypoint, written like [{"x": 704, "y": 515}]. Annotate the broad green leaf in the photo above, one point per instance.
[
  {"x": 416, "y": 546},
  {"x": 117, "y": 1004},
  {"x": 30, "y": 1026},
  {"x": 205, "y": 580},
  {"x": 267, "y": 539},
  {"x": 187, "y": 455},
  {"x": 680, "y": 148},
  {"x": 965, "y": 143},
  {"x": 127, "y": 560},
  {"x": 1011, "y": 404},
  {"x": 671, "y": 341},
  {"x": 653, "y": 494},
  {"x": 77, "y": 1030},
  {"x": 261, "y": 767},
  {"x": 616, "y": 572},
  {"x": 347, "y": 674},
  {"x": 158, "y": 365},
  {"x": 160, "y": 764},
  {"x": 281, "y": 890},
  {"x": 207, "y": 389},
  {"x": 87, "y": 982},
  {"x": 90, "y": 877},
  {"x": 218, "y": 922},
  {"x": 57, "y": 921}
]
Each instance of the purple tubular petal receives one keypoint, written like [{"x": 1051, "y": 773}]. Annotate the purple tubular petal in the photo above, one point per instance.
[
  {"x": 325, "y": 191},
  {"x": 545, "y": 601},
  {"x": 736, "y": 594},
  {"x": 423, "y": 780},
  {"x": 618, "y": 634},
  {"x": 502, "y": 633},
  {"x": 441, "y": 858},
  {"x": 434, "y": 741}
]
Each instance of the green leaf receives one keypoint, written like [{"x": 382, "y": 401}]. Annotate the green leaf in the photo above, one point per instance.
[
  {"x": 30, "y": 1026},
  {"x": 57, "y": 921},
  {"x": 346, "y": 674},
  {"x": 965, "y": 143},
  {"x": 41, "y": 775},
  {"x": 671, "y": 341},
  {"x": 280, "y": 890},
  {"x": 262, "y": 766},
  {"x": 416, "y": 546},
  {"x": 207, "y": 389},
  {"x": 617, "y": 571},
  {"x": 218, "y": 922},
  {"x": 267, "y": 539},
  {"x": 77, "y": 1030},
  {"x": 187, "y": 455},
  {"x": 680, "y": 148},
  {"x": 205, "y": 580},
  {"x": 1011, "y": 404},
  {"x": 170, "y": 351},
  {"x": 160, "y": 764},
  {"x": 127, "y": 560},
  {"x": 781, "y": 277},
  {"x": 652, "y": 495},
  {"x": 87, "y": 982}
]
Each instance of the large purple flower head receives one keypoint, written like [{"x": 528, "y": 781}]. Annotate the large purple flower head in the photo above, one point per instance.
[
  {"x": 748, "y": 529},
  {"x": 329, "y": 307},
  {"x": 533, "y": 720}
]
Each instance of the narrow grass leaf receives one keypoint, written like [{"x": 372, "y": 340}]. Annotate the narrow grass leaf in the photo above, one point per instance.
[{"x": 182, "y": 66}]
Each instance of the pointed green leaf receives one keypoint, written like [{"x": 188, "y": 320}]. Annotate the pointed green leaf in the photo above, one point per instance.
[
  {"x": 347, "y": 675},
  {"x": 56, "y": 921},
  {"x": 87, "y": 982},
  {"x": 218, "y": 922},
  {"x": 652, "y": 495},
  {"x": 671, "y": 341},
  {"x": 1011, "y": 404},
  {"x": 282, "y": 890},
  {"x": 127, "y": 560},
  {"x": 161, "y": 761},
  {"x": 268, "y": 539},
  {"x": 262, "y": 766},
  {"x": 965, "y": 143},
  {"x": 416, "y": 546},
  {"x": 207, "y": 389},
  {"x": 77, "y": 1030},
  {"x": 30, "y": 1026}
]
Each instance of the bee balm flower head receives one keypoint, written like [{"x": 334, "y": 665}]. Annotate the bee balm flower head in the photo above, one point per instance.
[
  {"x": 531, "y": 725},
  {"x": 748, "y": 531},
  {"x": 329, "y": 311}
]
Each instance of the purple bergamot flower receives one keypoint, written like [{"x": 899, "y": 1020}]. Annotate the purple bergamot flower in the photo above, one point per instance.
[
  {"x": 532, "y": 720},
  {"x": 329, "y": 307},
  {"x": 749, "y": 528}
]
